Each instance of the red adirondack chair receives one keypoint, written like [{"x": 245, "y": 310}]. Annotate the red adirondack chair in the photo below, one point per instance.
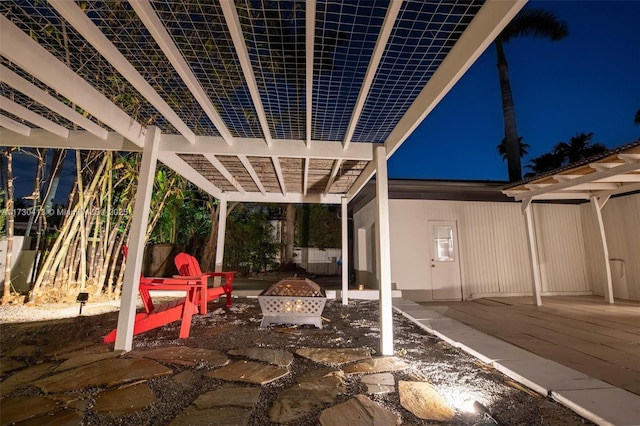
[
  {"x": 189, "y": 268},
  {"x": 178, "y": 309}
]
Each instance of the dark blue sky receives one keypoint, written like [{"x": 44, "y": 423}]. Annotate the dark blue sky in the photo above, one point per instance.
[{"x": 587, "y": 82}]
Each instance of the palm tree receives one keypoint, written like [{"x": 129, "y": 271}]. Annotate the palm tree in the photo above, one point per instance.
[
  {"x": 529, "y": 22},
  {"x": 544, "y": 163},
  {"x": 579, "y": 148},
  {"x": 636, "y": 120},
  {"x": 502, "y": 148}
]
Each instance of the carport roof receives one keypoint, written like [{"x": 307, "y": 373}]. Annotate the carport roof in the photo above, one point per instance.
[
  {"x": 268, "y": 101},
  {"x": 611, "y": 173}
]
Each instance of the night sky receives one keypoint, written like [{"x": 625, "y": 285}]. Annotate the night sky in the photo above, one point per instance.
[{"x": 586, "y": 82}]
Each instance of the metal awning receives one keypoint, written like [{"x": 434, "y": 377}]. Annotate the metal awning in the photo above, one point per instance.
[
  {"x": 259, "y": 101},
  {"x": 611, "y": 173}
]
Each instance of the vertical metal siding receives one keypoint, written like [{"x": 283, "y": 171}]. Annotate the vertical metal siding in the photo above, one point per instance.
[
  {"x": 512, "y": 251},
  {"x": 593, "y": 250},
  {"x": 560, "y": 247}
]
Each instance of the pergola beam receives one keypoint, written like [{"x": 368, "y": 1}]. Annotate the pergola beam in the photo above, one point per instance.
[
  {"x": 235, "y": 29},
  {"x": 152, "y": 22},
  {"x": 185, "y": 170},
  {"x": 18, "y": 110},
  {"x": 256, "y": 147},
  {"x": 278, "y": 170},
  {"x": 224, "y": 172},
  {"x": 252, "y": 172},
  {"x": 77, "y": 139},
  {"x": 310, "y": 36},
  {"x": 31, "y": 90},
  {"x": 14, "y": 126},
  {"x": 305, "y": 176},
  {"x": 25, "y": 52},
  {"x": 290, "y": 197},
  {"x": 73, "y": 14},
  {"x": 374, "y": 62},
  {"x": 332, "y": 176}
]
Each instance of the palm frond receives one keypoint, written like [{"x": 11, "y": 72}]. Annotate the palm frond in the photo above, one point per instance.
[{"x": 535, "y": 23}]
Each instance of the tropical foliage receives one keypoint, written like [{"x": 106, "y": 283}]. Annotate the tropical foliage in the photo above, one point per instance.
[{"x": 579, "y": 147}]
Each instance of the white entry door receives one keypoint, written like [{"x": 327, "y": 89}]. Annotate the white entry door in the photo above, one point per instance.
[{"x": 445, "y": 263}]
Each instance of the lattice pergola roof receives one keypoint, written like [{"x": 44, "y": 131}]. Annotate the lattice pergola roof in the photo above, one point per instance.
[{"x": 274, "y": 101}]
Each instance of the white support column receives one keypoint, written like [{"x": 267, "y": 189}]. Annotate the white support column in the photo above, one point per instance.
[
  {"x": 126, "y": 317},
  {"x": 222, "y": 227},
  {"x": 597, "y": 207},
  {"x": 384, "y": 251},
  {"x": 345, "y": 252},
  {"x": 533, "y": 254}
]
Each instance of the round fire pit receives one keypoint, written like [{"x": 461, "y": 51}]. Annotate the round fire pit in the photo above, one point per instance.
[{"x": 292, "y": 301}]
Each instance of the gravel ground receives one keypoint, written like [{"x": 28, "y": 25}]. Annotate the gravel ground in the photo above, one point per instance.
[{"x": 458, "y": 376}]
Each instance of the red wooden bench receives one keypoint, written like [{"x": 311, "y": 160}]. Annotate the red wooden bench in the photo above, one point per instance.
[
  {"x": 189, "y": 268},
  {"x": 178, "y": 309}
]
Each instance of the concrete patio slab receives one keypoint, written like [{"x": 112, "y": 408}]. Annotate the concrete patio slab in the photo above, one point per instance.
[
  {"x": 545, "y": 376},
  {"x": 612, "y": 406}
]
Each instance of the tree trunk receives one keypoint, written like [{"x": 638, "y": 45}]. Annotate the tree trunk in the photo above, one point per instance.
[
  {"x": 290, "y": 229},
  {"x": 9, "y": 221},
  {"x": 512, "y": 144}
]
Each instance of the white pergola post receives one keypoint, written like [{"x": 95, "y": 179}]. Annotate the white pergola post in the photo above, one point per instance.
[
  {"x": 597, "y": 206},
  {"x": 222, "y": 228},
  {"x": 384, "y": 251},
  {"x": 345, "y": 252},
  {"x": 126, "y": 317},
  {"x": 533, "y": 253}
]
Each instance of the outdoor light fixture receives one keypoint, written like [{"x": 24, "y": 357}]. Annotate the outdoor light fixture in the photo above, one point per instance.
[
  {"x": 484, "y": 410},
  {"x": 82, "y": 299}
]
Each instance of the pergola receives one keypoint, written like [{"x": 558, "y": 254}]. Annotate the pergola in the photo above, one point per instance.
[
  {"x": 596, "y": 179},
  {"x": 252, "y": 101}
]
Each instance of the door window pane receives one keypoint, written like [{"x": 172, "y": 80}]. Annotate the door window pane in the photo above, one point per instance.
[{"x": 443, "y": 243}]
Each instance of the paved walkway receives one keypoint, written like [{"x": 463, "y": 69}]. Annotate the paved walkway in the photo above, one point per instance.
[{"x": 592, "y": 398}]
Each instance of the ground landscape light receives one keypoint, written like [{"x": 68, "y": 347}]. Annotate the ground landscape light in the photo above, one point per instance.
[{"x": 463, "y": 399}]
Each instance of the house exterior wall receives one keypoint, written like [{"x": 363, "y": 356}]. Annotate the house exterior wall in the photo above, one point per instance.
[
  {"x": 494, "y": 259},
  {"x": 621, "y": 217}
]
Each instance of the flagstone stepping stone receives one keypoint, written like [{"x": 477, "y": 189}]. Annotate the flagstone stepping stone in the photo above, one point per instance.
[
  {"x": 318, "y": 374},
  {"x": 224, "y": 416},
  {"x": 25, "y": 377},
  {"x": 124, "y": 400},
  {"x": 83, "y": 349},
  {"x": 424, "y": 401},
  {"x": 77, "y": 401},
  {"x": 228, "y": 396},
  {"x": 185, "y": 378},
  {"x": 183, "y": 355},
  {"x": 108, "y": 372},
  {"x": 376, "y": 365},
  {"x": 214, "y": 331},
  {"x": 84, "y": 359},
  {"x": 18, "y": 408},
  {"x": 334, "y": 356},
  {"x": 8, "y": 364},
  {"x": 379, "y": 383},
  {"x": 308, "y": 395},
  {"x": 359, "y": 411},
  {"x": 24, "y": 351},
  {"x": 278, "y": 357},
  {"x": 58, "y": 418},
  {"x": 248, "y": 372}
]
